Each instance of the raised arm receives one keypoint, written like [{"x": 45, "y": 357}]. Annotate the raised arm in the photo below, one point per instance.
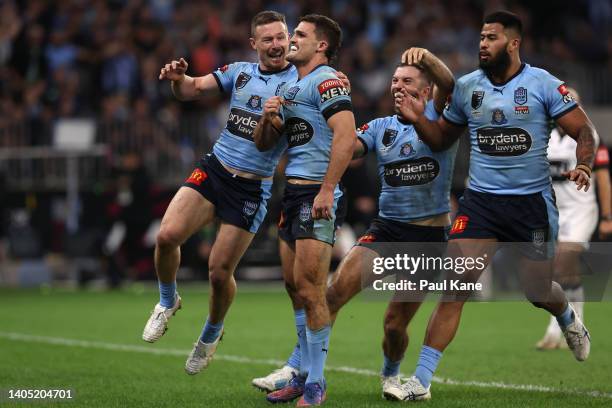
[
  {"x": 342, "y": 125},
  {"x": 184, "y": 87},
  {"x": 576, "y": 124},
  {"x": 439, "y": 73},
  {"x": 270, "y": 127}
]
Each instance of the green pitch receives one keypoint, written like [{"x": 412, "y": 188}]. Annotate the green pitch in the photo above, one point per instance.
[{"x": 90, "y": 342}]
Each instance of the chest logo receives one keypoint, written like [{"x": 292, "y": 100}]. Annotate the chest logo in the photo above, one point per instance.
[
  {"x": 389, "y": 137},
  {"x": 498, "y": 117},
  {"x": 290, "y": 94},
  {"x": 254, "y": 102},
  {"x": 242, "y": 80},
  {"x": 477, "y": 97},
  {"x": 520, "y": 96},
  {"x": 406, "y": 150}
]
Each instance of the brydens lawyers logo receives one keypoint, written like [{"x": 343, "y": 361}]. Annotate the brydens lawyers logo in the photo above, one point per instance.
[
  {"x": 460, "y": 224},
  {"x": 197, "y": 177}
]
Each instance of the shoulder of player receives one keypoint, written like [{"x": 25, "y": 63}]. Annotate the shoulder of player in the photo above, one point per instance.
[{"x": 468, "y": 79}]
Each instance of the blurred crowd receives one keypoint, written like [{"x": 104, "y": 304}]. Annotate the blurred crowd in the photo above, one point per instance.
[{"x": 100, "y": 59}]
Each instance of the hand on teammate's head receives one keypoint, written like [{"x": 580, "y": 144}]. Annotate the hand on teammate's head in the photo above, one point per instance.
[{"x": 414, "y": 56}]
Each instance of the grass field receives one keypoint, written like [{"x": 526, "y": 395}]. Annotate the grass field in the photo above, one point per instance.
[{"x": 90, "y": 342}]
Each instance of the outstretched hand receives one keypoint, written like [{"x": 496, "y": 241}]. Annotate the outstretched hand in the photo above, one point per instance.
[{"x": 174, "y": 71}]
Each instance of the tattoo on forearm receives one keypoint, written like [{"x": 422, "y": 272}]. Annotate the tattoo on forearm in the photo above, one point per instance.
[{"x": 585, "y": 150}]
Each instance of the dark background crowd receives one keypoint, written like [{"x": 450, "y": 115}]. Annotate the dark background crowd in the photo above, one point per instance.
[{"x": 99, "y": 61}]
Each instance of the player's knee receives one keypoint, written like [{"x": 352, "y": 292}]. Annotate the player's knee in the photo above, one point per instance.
[
  {"x": 394, "y": 326},
  {"x": 334, "y": 300},
  {"x": 219, "y": 274},
  {"x": 169, "y": 238}
]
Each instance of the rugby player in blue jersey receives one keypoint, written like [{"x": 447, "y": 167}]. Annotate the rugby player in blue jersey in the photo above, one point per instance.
[
  {"x": 232, "y": 184},
  {"x": 313, "y": 116},
  {"x": 506, "y": 105},
  {"x": 413, "y": 205}
]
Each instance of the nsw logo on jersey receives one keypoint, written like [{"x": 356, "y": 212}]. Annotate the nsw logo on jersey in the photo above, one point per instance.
[
  {"x": 411, "y": 172},
  {"x": 299, "y": 132},
  {"x": 242, "y": 123},
  {"x": 503, "y": 141},
  {"x": 477, "y": 97},
  {"x": 520, "y": 96},
  {"x": 242, "y": 80},
  {"x": 330, "y": 89}
]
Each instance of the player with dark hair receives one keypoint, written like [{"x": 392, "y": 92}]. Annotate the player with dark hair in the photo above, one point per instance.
[
  {"x": 506, "y": 104},
  {"x": 411, "y": 209},
  {"x": 232, "y": 183},
  {"x": 313, "y": 115}
]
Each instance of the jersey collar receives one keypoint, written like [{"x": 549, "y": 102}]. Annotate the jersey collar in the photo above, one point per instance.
[
  {"x": 266, "y": 72},
  {"x": 517, "y": 73}
]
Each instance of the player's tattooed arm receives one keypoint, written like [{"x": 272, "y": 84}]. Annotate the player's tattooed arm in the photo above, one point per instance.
[
  {"x": 270, "y": 127},
  {"x": 183, "y": 86},
  {"x": 439, "y": 73},
  {"x": 576, "y": 124},
  {"x": 342, "y": 125}
]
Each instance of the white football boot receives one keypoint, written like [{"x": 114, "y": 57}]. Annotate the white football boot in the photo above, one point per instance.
[
  {"x": 392, "y": 388},
  {"x": 578, "y": 338},
  {"x": 201, "y": 356},
  {"x": 276, "y": 380},
  {"x": 158, "y": 321},
  {"x": 414, "y": 390}
]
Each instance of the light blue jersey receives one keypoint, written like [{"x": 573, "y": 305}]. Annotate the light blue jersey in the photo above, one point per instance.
[
  {"x": 250, "y": 87},
  {"x": 415, "y": 181},
  {"x": 509, "y": 128},
  {"x": 309, "y": 102}
]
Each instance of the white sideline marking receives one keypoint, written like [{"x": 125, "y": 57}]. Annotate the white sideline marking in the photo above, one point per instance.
[{"x": 247, "y": 360}]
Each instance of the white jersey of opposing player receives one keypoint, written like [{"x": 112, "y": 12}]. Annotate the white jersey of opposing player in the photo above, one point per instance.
[{"x": 577, "y": 209}]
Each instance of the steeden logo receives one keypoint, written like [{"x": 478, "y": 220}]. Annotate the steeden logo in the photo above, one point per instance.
[
  {"x": 460, "y": 224},
  {"x": 197, "y": 177}
]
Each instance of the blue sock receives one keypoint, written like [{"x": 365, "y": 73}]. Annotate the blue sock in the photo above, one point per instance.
[
  {"x": 300, "y": 326},
  {"x": 390, "y": 368},
  {"x": 167, "y": 294},
  {"x": 211, "y": 332},
  {"x": 428, "y": 362},
  {"x": 318, "y": 344},
  {"x": 566, "y": 318},
  {"x": 300, "y": 323}
]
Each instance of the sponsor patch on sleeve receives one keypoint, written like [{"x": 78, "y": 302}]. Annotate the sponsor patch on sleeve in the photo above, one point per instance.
[
  {"x": 363, "y": 128},
  {"x": 567, "y": 96},
  {"x": 330, "y": 89}
]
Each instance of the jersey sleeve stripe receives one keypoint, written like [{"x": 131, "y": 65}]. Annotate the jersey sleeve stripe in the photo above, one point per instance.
[
  {"x": 562, "y": 113},
  {"x": 218, "y": 82},
  {"x": 337, "y": 107}
]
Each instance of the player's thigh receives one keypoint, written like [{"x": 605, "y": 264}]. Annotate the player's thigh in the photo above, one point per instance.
[
  {"x": 312, "y": 259},
  {"x": 229, "y": 247},
  {"x": 188, "y": 212},
  {"x": 353, "y": 274},
  {"x": 479, "y": 251},
  {"x": 287, "y": 256}
]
